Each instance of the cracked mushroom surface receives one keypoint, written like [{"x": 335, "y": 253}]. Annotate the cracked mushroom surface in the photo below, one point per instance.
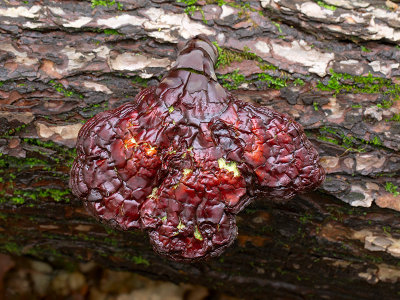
[{"x": 187, "y": 156}]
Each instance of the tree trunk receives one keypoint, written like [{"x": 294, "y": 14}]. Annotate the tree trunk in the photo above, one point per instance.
[{"x": 333, "y": 66}]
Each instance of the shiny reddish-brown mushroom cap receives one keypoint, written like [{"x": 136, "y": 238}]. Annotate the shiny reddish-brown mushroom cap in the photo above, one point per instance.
[
  {"x": 187, "y": 214},
  {"x": 186, "y": 157}
]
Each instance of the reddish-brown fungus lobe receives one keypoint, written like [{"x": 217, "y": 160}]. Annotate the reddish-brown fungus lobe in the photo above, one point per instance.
[{"x": 187, "y": 156}]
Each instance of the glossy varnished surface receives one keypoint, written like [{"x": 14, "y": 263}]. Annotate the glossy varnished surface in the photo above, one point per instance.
[{"x": 186, "y": 157}]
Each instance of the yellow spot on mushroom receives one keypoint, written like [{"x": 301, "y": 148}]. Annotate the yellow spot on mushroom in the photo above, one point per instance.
[
  {"x": 180, "y": 225},
  {"x": 197, "y": 234},
  {"x": 130, "y": 143},
  {"x": 122, "y": 210},
  {"x": 189, "y": 150},
  {"x": 151, "y": 150},
  {"x": 171, "y": 151},
  {"x": 164, "y": 218},
  {"x": 171, "y": 109},
  {"x": 187, "y": 172},
  {"x": 153, "y": 194},
  {"x": 231, "y": 166}
]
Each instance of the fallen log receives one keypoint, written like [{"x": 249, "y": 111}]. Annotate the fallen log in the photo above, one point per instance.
[{"x": 332, "y": 65}]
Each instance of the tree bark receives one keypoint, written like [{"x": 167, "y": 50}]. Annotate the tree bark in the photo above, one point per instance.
[{"x": 333, "y": 66}]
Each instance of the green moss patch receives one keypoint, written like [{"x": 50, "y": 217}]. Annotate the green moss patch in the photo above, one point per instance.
[
  {"x": 66, "y": 92},
  {"x": 106, "y": 3},
  {"x": 347, "y": 141},
  {"x": 327, "y": 6},
  {"x": 233, "y": 80},
  {"x": 19, "y": 197},
  {"x": 391, "y": 188},
  {"x": 346, "y": 83}
]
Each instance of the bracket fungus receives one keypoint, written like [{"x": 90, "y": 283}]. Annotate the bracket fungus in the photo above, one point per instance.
[{"x": 187, "y": 156}]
